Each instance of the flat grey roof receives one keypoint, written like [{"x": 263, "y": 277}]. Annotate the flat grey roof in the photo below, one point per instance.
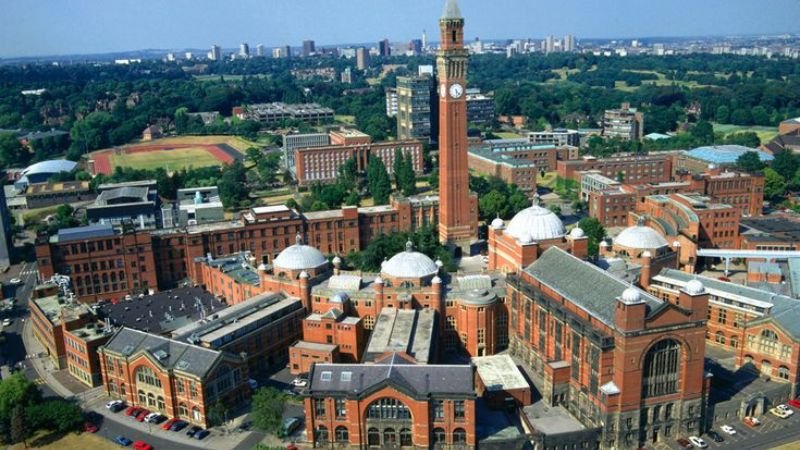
[
  {"x": 499, "y": 373},
  {"x": 405, "y": 331},
  {"x": 551, "y": 419},
  {"x": 315, "y": 346}
]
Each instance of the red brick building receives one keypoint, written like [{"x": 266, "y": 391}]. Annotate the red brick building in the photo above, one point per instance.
[
  {"x": 614, "y": 356},
  {"x": 102, "y": 263},
  {"x": 656, "y": 168},
  {"x": 512, "y": 171},
  {"x": 171, "y": 377},
  {"x": 391, "y": 403}
]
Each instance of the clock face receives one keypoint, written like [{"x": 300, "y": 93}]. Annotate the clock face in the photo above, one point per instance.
[
  {"x": 456, "y": 90},
  {"x": 443, "y": 90}
]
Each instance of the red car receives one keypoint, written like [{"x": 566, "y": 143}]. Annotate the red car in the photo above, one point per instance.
[
  {"x": 141, "y": 445},
  {"x": 133, "y": 411},
  {"x": 89, "y": 427},
  {"x": 794, "y": 402},
  {"x": 168, "y": 423},
  {"x": 142, "y": 414}
]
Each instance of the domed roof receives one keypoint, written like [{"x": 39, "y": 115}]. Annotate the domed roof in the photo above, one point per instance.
[
  {"x": 535, "y": 224},
  {"x": 409, "y": 264},
  {"x": 577, "y": 233},
  {"x": 641, "y": 237},
  {"x": 631, "y": 296},
  {"x": 695, "y": 287},
  {"x": 498, "y": 223},
  {"x": 336, "y": 260},
  {"x": 300, "y": 256}
]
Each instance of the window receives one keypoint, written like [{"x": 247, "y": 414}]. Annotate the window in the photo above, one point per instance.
[
  {"x": 458, "y": 409},
  {"x": 768, "y": 342},
  {"x": 405, "y": 437},
  {"x": 661, "y": 369},
  {"x": 373, "y": 437},
  {"x": 388, "y": 408},
  {"x": 438, "y": 436},
  {"x": 182, "y": 410},
  {"x": 459, "y": 436},
  {"x": 319, "y": 407},
  {"x": 722, "y": 315},
  {"x": 389, "y": 437},
  {"x": 783, "y": 372},
  {"x": 340, "y": 407},
  {"x": 142, "y": 398},
  {"x": 719, "y": 338},
  {"x": 438, "y": 409},
  {"x": 786, "y": 352},
  {"x": 145, "y": 375},
  {"x": 322, "y": 434},
  {"x": 341, "y": 434}
]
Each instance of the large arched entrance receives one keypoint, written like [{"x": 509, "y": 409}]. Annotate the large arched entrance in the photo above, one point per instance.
[{"x": 389, "y": 424}]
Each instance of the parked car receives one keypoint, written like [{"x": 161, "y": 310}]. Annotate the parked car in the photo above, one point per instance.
[
  {"x": 153, "y": 418},
  {"x": 115, "y": 405},
  {"x": 245, "y": 426},
  {"x": 794, "y": 403},
  {"x": 201, "y": 434},
  {"x": 142, "y": 414},
  {"x": 751, "y": 421},
  {"x": 785, "y": 408},
  {"x": 253, "y": 384},
  {"x": 123, "y": 441},
  {"x": 300, "y": 382},
  {"x": 142, "y": 445},
  {"x": 178, "y": 425},
  {"x": 168, "y": 424},
  {"x": 715, "y": 436},
  {"x": 89, "y": 427},
  {"x": 7, "y": 322},
  {"x": 728, "y": 429},
  {"x": 783, "y": 414},
  {"x": 726, "y": 279},
  {"x": 290, "y": 424},
  {"x": 192, "y": 430},
  {"x": 698, "y": 442},
  {"x": 132, "y": 411},
  {"x": 684, "y": 443}
]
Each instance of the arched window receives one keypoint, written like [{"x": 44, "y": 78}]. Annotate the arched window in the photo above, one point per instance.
[
  {"x": 661, "y": 369},
  {"x": 122, "y": 390},
  {"x": 322, "y": 434},
  {"x": 734, "y": 341},
  {"x": 720, "y": 338},
  {"x": 151, "y": 400},
  {"x": 405, "y": 438},
  {"x": 459, "y": 436},
  {"x": 373, "y": 437},
  {"x": 142, "y": 398},
  {"x": 768, "y": 342},
  {"x": 438, "y": 436},
  {"x": 783, "y": 372},
  {"x": 112, "y": 386},
  {"x": 389, "y": 437},
  {"x": 766, "y": 367},
  {"x": 161, "y": 405},
  {"x": 113, "y": 277},
  {"x": 341, "y": 434},
  {"x": 388, "y": 409},
  {"x": 147, "y": 376},
  {"x": 183, "y": 411},
  {"x": 748, "y": 359}
]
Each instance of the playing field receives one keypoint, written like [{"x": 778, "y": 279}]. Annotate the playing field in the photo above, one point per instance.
[
  {"x": 765, "y": 134},
  {"x": 172, "y": 153}
]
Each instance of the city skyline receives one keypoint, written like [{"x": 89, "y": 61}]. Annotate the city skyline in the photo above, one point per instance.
[{"x": 45, "y": 30}]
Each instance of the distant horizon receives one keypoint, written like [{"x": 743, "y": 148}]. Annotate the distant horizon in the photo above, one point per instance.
[
  {"x": 371, "y": 44},
  {"x": 93, "y": 27}
]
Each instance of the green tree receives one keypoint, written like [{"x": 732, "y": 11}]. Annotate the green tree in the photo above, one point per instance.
[
  {"x": 268, "y": 167},
  {"x": 723, "y": 114},
  {"x": 218, "y": 413},
  {"x": 232, "y": 185},
  {"x": 404, "y": 175},
  {"x": 433, "y": 179},
  {"x": 267, "y": 409},
  {"x": 774, "y": 184},
  {"x": 378, "y": 181},
  {"x": 19, "y": 429},
  {"x": 749, "y": 162},
  {"x": 57, "y": 415},
  {"x": 11, "y": 151},
  {"x": 703, "y": 133},
  {"x": 493, "y": 204},
  {"x": 254, "y": 155},
  {"x": 594, "y": 232},
  {"x": 786, "y": 164},
  {"x": 555, "y": 209}
]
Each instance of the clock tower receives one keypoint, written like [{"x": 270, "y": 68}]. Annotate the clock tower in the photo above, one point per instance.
[{"x": 458, "y": 208}]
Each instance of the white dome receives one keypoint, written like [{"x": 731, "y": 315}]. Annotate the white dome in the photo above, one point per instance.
[
  {"x": 604, "y": 243},
  {"x": 436, "y": 280},
  {"x": 535, "y": 224},
  {"x": 300, "y": 256},
  {"x": 631, "y": 296},
  {"x": 336, "y": 260},
  {"x": 409, "y": 264},
  {"x": 641, "y": 237},
  {"x": 676, "y": 244},
  {"x": 695, "y": 287},
  {"x": 577, "y": 233},
  {"x": 647, "y": 254},
  {"x": 304, "y": 274},
  {"x": 498, "y": 223},
  {"x": 378, "y": 280}
]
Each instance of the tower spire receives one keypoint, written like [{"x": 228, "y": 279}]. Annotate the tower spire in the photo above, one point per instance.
[{"x": 451, "y": 10}]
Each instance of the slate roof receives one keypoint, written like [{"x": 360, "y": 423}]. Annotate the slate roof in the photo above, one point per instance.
[
  {"x": 587, "y": 286},
  {"x": 86, "y": 232},
  {"x": 417, "y": 380},
  {"x": 175, "y": 355}
]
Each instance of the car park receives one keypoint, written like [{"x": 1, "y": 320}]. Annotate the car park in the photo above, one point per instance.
[
  {"x": 684, "y": 443},
  {"x": 785, "y": 408},
  {"x": 7, "y": 322},
  {"x": 715, "y": 436},
  {"x": 15, "y": 281},
  {"x": 115, "y": 404},
  {"x": 751, "y": 421},
  {"x": 132, "y": 411},
  {"x": 123, "y": 441},
  {"x": 142, "y": 414},
  {"x": 728, "y": 429},
  {"x": 168, "y": 424},
  {"x": 201, "y": 434},
  {"x": 154, "y": 418},
  {"x": 698, "y": 442}
]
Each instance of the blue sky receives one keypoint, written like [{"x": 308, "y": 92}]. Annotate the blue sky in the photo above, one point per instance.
[{"x": 48, "y": 27}]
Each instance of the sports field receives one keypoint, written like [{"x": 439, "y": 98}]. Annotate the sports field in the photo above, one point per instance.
[{"x": 172, "y": 153}]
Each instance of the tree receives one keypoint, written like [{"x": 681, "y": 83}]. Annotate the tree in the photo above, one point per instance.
[
  {"x": 749, "y": 162},
  {"x": 774, "y": 184},
  {"x": 703, "y": 132},
  {"x": 433, "y": 179},
  {"x": 11, "y": 151},
  {"x": 378, "y": 181},
  {"x": 723, "y": 114},
  {"x": 16, "y": 390},
  {"x": 254, "y": 155},
  {"x": 218, "y": 413},
  {"x": 594, "y": 232},
  {"x": 57, "y": 415},
  {"x": 19, "y": 429},
  {"x": 268, "y": 167},
  {"x": 786, "y": 164},
  {"x": 267, "y": 409},
  {"x": 493, "y": 205},
  {"x": 555, "y": 209},
  {"x": 232, "y": 188}
]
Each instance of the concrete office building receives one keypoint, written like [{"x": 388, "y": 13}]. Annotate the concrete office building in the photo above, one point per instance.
[
  {"x": 625, "y": 123},
  {"x": 414, "y": 116},
  {"x": 295, "y": 141}
]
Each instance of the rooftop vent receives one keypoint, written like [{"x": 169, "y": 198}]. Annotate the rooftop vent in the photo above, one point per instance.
[{"x": 161, "y": 355}]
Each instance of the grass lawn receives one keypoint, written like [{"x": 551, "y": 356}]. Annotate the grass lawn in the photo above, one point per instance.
[
  {"x": 506, "y": 135},
  {"x": 71, "y": 441},
  {"x": 37, "y": 215},
  {"x": 764, "y": 133},
  {"x": 548, "y": 180},
  {"x": 169, "y": 159},
  {"x": 350, "y": 120},
  {"x": 240, "y": 144}
]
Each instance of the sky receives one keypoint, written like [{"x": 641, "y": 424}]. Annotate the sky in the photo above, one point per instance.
[{"x": 56, "y": 27}]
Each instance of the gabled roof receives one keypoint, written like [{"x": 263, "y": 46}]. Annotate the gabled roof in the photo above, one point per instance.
[
  {"x": 587, "y": 286},
  {"x": 419, "y": 381},
  {"x": 169, "y": 353}
]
